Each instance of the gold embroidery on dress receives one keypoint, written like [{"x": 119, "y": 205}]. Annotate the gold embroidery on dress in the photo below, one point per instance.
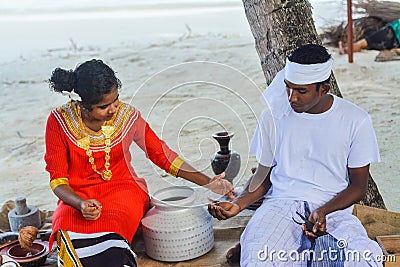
[
  {"x": 87, "y": 137},
  {"x": 58, "y": 181},
  {"x": 73, "y": 120},
  {"x": 175, "y": 166},
  {"x": 84, "y": 142}
]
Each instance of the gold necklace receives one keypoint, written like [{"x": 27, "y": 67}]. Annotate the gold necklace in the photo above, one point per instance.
[{"x": 85, "y": 144}]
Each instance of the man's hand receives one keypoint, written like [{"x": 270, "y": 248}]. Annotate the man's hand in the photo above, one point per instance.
[
  {"x": 91, "y": 209},
  {"x": 223, "y": 210},
  {"x": 318, "y": 218},
  {"x": 352, "y": 194},
  {"x": 221, "y": 186}
]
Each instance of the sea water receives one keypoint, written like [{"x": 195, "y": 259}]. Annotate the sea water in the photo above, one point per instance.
[
  {"x": 72, "y": 9},
  {"x": 33, "y": 26},
  {"x": 30, "y": 26}
]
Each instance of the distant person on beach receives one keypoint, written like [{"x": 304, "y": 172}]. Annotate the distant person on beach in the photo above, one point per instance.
[
  {"x": 101, "y": 198},
  {"x": 313, "y": 150},
  {"x": 385, "y": 38}
]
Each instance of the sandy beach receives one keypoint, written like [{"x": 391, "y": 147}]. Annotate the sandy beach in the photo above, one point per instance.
[{"x": 190, "y": 74}]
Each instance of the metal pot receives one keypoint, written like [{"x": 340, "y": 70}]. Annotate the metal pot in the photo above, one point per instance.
[{"x": 176, "y": 229}]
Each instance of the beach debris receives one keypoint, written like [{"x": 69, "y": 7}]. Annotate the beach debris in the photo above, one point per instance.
[
  {"x": 385, "y": 10},
  {"x": 27, "y": 235},
  {"x": 74, "y": 46},
  {"x": 376, "y": 15},
  {"x": 362, "y": 27},
  {"x": 388, "y": 55},
  {"x": 5, "y": 209}
]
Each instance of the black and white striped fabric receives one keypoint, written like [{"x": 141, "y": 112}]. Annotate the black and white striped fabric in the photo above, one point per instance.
[
  {"x": 98, "y": 249},
  {"x": 322, "y": 245}
]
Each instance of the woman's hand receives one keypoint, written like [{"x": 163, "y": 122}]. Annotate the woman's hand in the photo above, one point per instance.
[
  {"x": 221, "y": 186},
  {"x": 91, "y": 209},
  {"x": 223, "y": 210}
]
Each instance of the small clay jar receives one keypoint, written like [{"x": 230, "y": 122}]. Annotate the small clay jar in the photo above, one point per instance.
[{"x": 225, "y": 160}]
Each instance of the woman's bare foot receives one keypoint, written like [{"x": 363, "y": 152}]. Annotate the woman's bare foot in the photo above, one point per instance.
[{"x": 233, "y": 254}]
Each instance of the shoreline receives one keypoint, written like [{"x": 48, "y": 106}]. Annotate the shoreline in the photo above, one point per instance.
[{"x": 53, "y": 27}]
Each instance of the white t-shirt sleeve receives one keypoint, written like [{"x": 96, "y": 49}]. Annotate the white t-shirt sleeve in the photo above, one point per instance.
[
  {"x": 264, "y": 140},
  {"x": 364, "y": 146}
]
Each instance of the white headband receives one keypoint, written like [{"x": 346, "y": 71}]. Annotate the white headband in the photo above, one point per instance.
[
  {"x": 307, "y": 73},
  {"x": 276, "y": 97},
  {"x": 72, "y": 95}
]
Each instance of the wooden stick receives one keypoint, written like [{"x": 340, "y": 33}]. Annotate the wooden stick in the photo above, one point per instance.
[
  {"x": 8, "y": 244},
  {"x": 349, "y": 31}
]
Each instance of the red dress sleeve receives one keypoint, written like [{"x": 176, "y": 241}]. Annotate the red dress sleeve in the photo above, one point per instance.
[
  {"x": 155, "y": 148},
  {"x": 56, "y": 156}
]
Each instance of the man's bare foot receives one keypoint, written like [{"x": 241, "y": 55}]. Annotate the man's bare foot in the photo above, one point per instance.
[
  {"x": 233, "y": 254},
  {"x": 342, "y": 49}
]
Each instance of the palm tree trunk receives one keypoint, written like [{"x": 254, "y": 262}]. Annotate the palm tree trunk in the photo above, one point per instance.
[{"x": 279, "y": 27}]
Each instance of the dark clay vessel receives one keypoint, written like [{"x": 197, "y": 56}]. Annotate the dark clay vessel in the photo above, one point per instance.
[{"x": 225, "y": 160}]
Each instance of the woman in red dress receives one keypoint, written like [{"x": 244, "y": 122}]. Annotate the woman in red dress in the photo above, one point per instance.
[{"x": 101, "y": 198}]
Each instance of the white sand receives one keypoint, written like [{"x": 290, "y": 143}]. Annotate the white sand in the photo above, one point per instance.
[{"x": 184, "y": 113}]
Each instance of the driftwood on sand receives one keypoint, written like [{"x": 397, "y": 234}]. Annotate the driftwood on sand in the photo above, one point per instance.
[
  {"x": 377, "y": 14},
  {"x": 362, "y": 27},
  {"x": 388, "y": 55},
  {"x": 387, "y": 11}
]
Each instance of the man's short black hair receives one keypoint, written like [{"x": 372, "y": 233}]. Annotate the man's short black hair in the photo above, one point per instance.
[{"x": 309, "y": 54}]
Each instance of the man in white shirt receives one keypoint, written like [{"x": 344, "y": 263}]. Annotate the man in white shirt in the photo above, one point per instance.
[{"x": 313, "y": 151}]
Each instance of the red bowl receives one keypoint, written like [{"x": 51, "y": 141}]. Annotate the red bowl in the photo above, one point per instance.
[
  {"x": 19, "y": 253},
  {"x": 36, "y": 256}
]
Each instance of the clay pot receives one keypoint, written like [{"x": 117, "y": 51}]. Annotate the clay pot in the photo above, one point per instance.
[
  {"x": 36, "y": 256},
  {"x": 225, "y": 160},
  {"x": 175, "y": 229}
]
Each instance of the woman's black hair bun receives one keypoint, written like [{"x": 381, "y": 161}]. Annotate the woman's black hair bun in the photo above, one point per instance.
[{"x": 62, "y": 80}]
